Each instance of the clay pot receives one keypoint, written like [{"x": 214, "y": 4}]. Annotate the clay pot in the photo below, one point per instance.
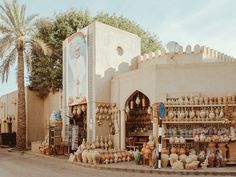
[
  {"x": 225, "y": 99},
  {"x": 170, "y": 114},
  {"x": 147, "y": 153},
  {"x": 144, "y": 147},
  {"x": 211, "y": 115},
  {"x": 220, "y": 100},
  {"x": 191, "y": 114},
  {"x": 196, "y": 100},
  {"x": 90, "y": 157},
  {"x": 183, "y": 158},
  {"x": 173, "y": 150},
  {"x": 173, "y": 158},
  {"x": 182, "y": 151},
  {"x": 201, "y": 100},
  {"x": 211, "y": 145},
  {"x": 96, "y": 157},
  {"x": 202, "y": 114},
  {"x": 164, "y": 160},
  {"x": 164, "y": 151},
  {"x": 172, "y": 140},
  {"x": 84, "y": 156},
  {"x": 111, "y": 156},
  {"x": 206, "y": 100},
  {"x": 137, "y": 157}
]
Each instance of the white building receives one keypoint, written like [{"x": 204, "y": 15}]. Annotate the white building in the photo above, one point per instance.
[{"x": 118, "y": 74}]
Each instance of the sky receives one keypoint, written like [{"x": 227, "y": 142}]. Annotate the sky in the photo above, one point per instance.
[{"x": 205, "y": 22}]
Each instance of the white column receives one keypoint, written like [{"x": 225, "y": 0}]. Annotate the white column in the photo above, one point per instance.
[{"x": 122, "y": 131}]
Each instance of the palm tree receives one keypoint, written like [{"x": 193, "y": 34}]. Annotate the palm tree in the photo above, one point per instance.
[{"x": 16, "y": 43}]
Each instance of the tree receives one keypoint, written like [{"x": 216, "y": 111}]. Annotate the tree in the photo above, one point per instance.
[
  {"x": 44, "y": 77},
  {"x": 16, "y": 43}
]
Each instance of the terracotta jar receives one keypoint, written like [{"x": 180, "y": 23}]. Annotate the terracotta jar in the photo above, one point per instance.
[
  {"x": 173, "y": 150},
  {"x": 147, "y": 153},
  {"x": 103, "y": 158},
  {"x": 123, "y": 154},
  {"x": 182, "y": 151},
  {"x": 144, "y": 147},
  {"x": 211, "y": 145},
  {"x": 201, "y": 100},
  {"x": 172, "y": 140},
  {"x": 164, "y": 160},
  {"x": 164, "y": 151},
  {"x": 111, "y": 156},
  {"x": 219, "y": 100},
  {"x": 107, "y": 156}
]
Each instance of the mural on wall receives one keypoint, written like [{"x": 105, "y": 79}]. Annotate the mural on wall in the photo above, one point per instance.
[{"x": 76, "y": 69}]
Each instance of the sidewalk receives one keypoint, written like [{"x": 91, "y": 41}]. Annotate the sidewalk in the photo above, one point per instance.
[{"x": 132, "y": 167}]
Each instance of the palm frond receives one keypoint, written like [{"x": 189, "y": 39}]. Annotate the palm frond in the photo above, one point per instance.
[
  {"x": 6, "y": 42},
  {"x": 5, "y": 65},
  {"x": 16, "y": 13},
  {"x": 5, "y": 20},
  {"x": 5, "y": 29},
  {"x": 40, "y": 45},
  {"x": 8, "y": 10},
  {"x": 29, "y": 19},
  {"x": 22, "y": 15}
]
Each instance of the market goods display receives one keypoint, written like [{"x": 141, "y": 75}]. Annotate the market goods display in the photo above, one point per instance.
[
  {"x": 94, "y": 153},
  {"x": 198, "y": 131}
]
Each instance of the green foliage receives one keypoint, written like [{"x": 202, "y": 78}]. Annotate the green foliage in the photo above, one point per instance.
[{"x": 46, "y": 72}]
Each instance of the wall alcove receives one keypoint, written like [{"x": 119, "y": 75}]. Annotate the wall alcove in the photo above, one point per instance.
[{"x": 138, "y": 121}]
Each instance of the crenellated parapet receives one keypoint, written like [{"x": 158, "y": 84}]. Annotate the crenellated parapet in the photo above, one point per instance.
[{"x": 205, "y": 54}]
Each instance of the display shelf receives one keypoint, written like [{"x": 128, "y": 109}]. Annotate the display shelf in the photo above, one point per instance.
[
  {"x": 165, "y": 138},
  {"x": 195, "y": 122},
  {"x": 190, "y": 106},
  {"x": 139, "y": 134}
]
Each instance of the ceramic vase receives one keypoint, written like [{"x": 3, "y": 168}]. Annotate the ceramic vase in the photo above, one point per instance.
[
  {"x": 164, "y": 160},
  {"x": 137, "y": 156}
]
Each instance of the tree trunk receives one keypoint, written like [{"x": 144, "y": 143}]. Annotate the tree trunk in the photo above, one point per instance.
[{"x": 21, "y": 121}]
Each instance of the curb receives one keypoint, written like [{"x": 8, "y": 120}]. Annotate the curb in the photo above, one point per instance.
[{"x": 146, "y": 171}]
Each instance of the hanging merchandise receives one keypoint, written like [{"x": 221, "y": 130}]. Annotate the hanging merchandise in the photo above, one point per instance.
[
  {"x": 127, "y": 109},
  {"x": 132, "y": 104},
  {"x": 143, "y": 103},
  {"x": 137, "y": 101},
  {"x": 75, "y": 132}
]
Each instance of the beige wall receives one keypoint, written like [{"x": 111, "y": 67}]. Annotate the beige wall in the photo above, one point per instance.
[
  {"x": 159, "y": 81},
  {"x": 38, "y": 112},
  {"x": 107, "y": 61},
  {"x": 35, "y": 118},
  {"x": 8, "y": 105}
]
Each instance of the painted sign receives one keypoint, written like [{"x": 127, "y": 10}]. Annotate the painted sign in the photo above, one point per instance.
[{"x": 76, "y": 69}]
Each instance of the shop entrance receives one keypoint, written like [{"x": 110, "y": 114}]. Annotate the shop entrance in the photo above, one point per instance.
[
  {"x": 78, "y": 124},
  {"x": 138, "y": 121}
]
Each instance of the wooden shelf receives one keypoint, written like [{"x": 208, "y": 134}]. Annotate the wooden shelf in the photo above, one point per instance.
[
  {"x": 194, "y": 122},
  {"x": 184, "y": 138},
  {"x": 140, "y": 134},
  {"x": 213, "y": 105}
]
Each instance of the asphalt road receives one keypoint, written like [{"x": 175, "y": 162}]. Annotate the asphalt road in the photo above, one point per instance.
[{"x": 14, "y": 164}]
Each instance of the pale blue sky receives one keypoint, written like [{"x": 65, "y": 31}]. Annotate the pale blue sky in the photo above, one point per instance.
[{"x": 206, "y": 22}]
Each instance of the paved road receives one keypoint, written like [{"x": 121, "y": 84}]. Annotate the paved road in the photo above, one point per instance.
[{"x": 14, "y": 164}]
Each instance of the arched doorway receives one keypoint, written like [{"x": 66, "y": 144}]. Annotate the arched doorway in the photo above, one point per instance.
[{"x": 137, "y": 121}]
